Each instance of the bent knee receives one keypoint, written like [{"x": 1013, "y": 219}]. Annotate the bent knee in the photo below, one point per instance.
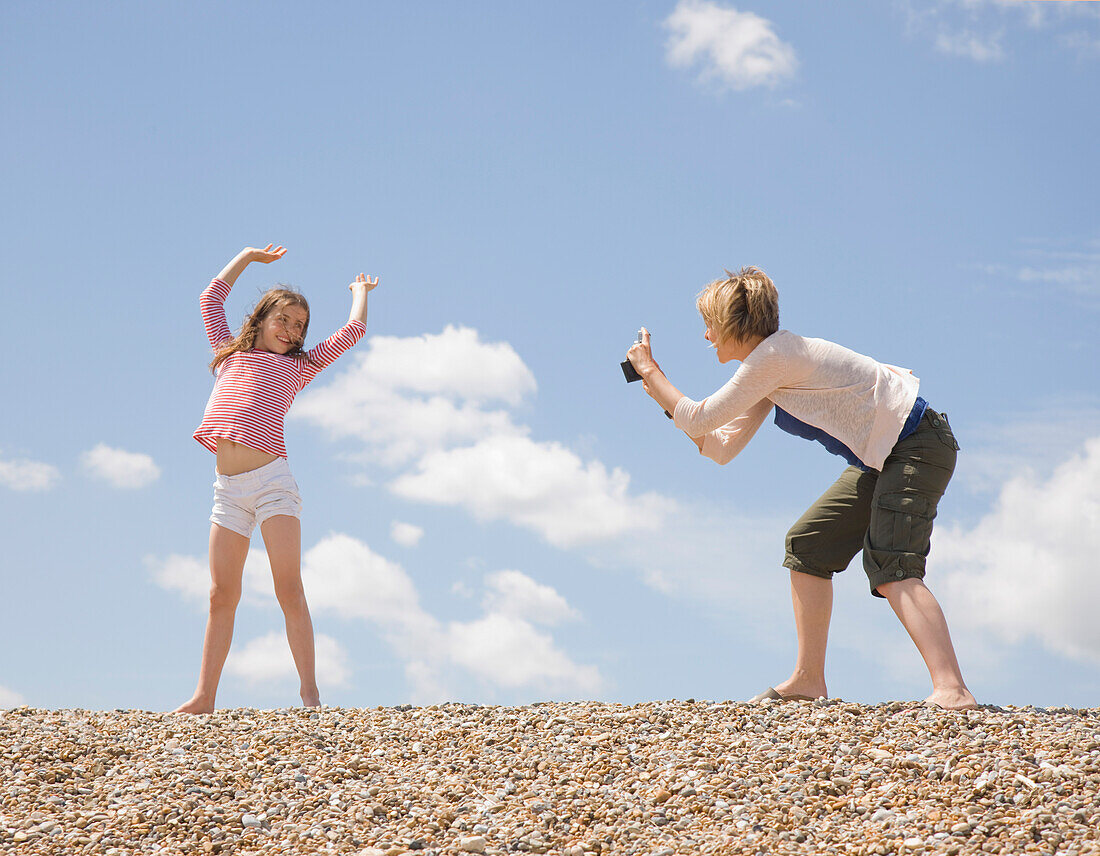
[{"x": 809, "y": 553}]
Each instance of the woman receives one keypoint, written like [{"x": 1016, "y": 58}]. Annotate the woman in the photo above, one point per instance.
[{"x": 901, "y": 455}]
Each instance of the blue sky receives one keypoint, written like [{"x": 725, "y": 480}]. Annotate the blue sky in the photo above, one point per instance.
[{"x": 491, "y": 514}]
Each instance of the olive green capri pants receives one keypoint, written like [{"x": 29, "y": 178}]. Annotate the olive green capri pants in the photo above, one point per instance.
[{"x": 887, "y": 514}]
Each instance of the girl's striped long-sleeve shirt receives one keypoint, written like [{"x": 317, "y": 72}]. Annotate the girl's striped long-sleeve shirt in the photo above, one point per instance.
[{"x": 253, "y": 390}]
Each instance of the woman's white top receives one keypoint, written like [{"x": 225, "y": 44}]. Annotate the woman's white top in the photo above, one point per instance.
[{"x": 861, "y": 402}]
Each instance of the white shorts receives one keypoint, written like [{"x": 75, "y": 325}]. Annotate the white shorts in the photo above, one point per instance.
[{"x": 247, "y": 499}]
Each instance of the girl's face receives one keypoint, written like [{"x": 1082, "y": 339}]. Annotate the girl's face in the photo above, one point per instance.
[{"x": 282, "y": 329}]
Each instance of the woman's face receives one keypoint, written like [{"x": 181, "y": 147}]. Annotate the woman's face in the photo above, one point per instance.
[{"x": 725, "y": 349}]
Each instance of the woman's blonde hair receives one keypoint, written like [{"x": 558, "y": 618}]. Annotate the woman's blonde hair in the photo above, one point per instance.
[
  {"x": 272, "y": 301},
  {"x": 743, "y": 305}
]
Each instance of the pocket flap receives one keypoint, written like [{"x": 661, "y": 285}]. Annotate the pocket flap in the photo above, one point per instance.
[{"x": 907, "y": 503}]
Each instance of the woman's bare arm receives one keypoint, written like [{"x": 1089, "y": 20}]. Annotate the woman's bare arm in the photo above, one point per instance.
[{"x": 654, "y": 382}]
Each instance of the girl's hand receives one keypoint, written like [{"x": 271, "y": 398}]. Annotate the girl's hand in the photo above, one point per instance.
[
  {"x": 641, "y": 357},
  {"x": 365, "y": 283},
  {"x": 267, "y": 254}
]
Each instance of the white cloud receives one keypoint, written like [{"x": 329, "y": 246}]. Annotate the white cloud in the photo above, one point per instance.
[
  {"x": 1063, "y": 266},
  {"x": 267, "y": 659},
  {"x": 977, "y": 29},
  {"x": 10, "y": 698},
  {"x": 515, "y": 594},
  {"x": 119, "y": 468},
  {"x": 509, "y": 652},
  {"x": 24, "y": 474},
  {"x": 720, "y": 558},
  {"x": 1074, "y": 273},
  {"x": 1084, "y": 44},
  {"x": 183, "y": 574},
  {"x": 1026, "y": 569},
  {"x": 461, "y": 589},
  {"x": 455, "y": 363},
  {"x": 1034, "y": 440},
  {"x": 340, "y": 574},
  {"x": 422, "y": 406},
  {"x": 404, "y": 396},
  {"x": 344, "y": 577},
  {"x": 427, "y": 684},
  {"x": 406, "y": 534},
  {"x": 980, "y": 48},
  {"x": 190, "y": 577},
  {"x": 543, "y": 487},
  {"x": 737, "y": 49}
]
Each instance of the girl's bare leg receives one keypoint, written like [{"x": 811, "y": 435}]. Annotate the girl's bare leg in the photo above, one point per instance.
[
  {"x": 228, "y": 550},
  {"x": 920, "y": 614},
  {"x": 812, "y": 598},
  {"x": 283, "y": 538}
]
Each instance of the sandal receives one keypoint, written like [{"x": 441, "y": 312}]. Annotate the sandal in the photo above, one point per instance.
[{"x": 771, "y": 694}]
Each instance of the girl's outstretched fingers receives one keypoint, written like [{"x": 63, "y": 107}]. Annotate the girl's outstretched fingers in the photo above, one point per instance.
[
  {"x": 267, "y": 254},
  {"x": 365, "y": 282}
]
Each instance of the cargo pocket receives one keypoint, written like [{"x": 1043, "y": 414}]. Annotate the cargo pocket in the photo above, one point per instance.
[{"x": 904, "y": 523}]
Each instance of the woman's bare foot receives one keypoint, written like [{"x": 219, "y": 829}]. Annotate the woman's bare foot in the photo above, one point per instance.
[
  {"x": 959, "y": 698},
  {"x": 195, "y": 705},
  {"x": 788, "y": 689},
  {"x": 802, "y": 685}
]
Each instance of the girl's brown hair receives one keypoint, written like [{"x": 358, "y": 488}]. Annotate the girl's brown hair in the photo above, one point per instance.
[
  {"x": 743, "y": 305},
  {"x": 274, "y": 300}
]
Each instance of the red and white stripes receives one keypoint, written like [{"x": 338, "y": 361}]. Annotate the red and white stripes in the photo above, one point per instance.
[{"x": 253, "y": 390}]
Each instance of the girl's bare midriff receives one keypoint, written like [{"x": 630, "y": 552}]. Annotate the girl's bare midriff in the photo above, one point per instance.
[{"x": 235, "y": 458}]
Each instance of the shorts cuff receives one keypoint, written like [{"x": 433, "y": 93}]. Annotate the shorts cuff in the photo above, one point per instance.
[
  {"x": 897, "y": 567},
  {"x": 796, "y": 564},
  {"x": 285, "y": 509},
  {"x": 242, "y": 529}
]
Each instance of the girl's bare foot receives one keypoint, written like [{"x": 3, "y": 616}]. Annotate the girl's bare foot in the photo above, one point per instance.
[
  {"x": 195, "y": 705},
  {"x": 311, "y": 699},
  {"x": 958, "y": 698}
]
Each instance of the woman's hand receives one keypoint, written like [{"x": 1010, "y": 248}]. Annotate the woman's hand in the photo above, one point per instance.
[
  {"x": 641, "y": 357},
  {"x": 654, "y": 381},
  {"x": 364, "y": 284},
  {"x": 267, "y": 254}
]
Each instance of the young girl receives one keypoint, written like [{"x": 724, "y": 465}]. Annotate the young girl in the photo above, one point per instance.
[
  {"x": 257, "y": 374},
  {"x": 901, "y": 455}
]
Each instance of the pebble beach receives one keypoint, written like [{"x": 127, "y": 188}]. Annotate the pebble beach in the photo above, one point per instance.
[{"x": 653, "y": 779}]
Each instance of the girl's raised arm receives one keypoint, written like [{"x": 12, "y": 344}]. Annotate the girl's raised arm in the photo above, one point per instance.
[
  {"x": 359, "y": 290},
  {"x": 323, "y": 354},
  {"x": 212, "y": 299},
  {"x": 245, "y": 257}
]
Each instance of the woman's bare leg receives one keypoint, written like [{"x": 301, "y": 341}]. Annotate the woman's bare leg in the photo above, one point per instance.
[
  {"x": 921, "y": 616},
  {"x": 812, "y": 598},
  {"x": 228, "y": 550},
  {"x": 283, "y": 538}
]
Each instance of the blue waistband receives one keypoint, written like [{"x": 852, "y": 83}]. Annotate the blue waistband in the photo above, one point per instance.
[{"x": 915, "y": 416}]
